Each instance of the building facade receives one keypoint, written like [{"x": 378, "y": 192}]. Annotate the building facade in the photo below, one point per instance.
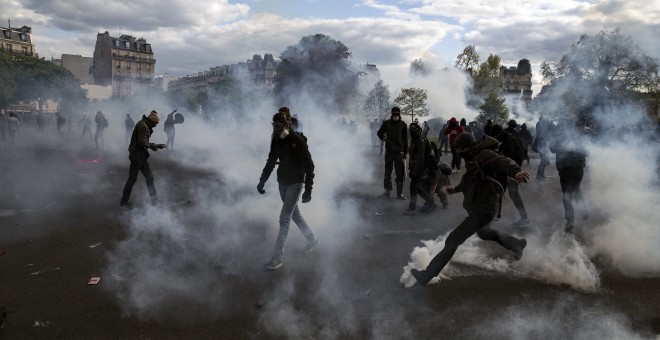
[
  {"x": 517, "y": 80},
  {"x": 17, "y": 41},
  {"x": 125, "y": 63},
  {"x": 79, "y": 66},
  {"x": 261, "y": 71}
]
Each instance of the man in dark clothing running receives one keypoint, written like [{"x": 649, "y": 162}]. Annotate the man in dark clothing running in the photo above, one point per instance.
[
  {"x": 295, "y": 169},
  {"x": 540, "y": 145},
  {"x": 138, "y": 155},
  {"x": 511, "y": 147},
  {"x": 394, "y": 132},
  {"x": 482, "y": 186},
  {"x": 570, "y": 162}
]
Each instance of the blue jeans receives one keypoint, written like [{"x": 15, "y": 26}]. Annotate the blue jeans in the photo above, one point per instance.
[{"x": 290, "y": 195}]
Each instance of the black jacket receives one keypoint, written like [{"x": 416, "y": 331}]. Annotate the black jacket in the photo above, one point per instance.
[
  {"x": 480, "y": 193},
  {"x": 295, "y": 161},
  {"x": 571, "y": 154},
  {"x": 395, "y": 135},
  {"x": 140, "y": 139}
]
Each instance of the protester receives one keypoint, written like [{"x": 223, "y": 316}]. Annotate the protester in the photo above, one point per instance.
[
  {"x": 570, "y": 163},
  {"x": 484, "y": 180},
  {"x": 444, "y": 140},
  {"x": 60, "y": 121},
  {"x": 394, "y": 132},
  {"x": 425, "y": 130},
  {"x": 295, "y": 169},
  {"x": 526, "y": 139},
  {"x": 543, "y": 136},
  {"x": 86, "y": 125},
  {"x": 421, "y": 168},
  {"x": 12, "y": 126},
  {"x": 129, "y": 124},
  {"x": 453, "y": 130},
  {"x": 4, "y": 125},
  {"x": 138, "y": 154},
  {"x": 101, "y": 124},
  {"x": 169, "y": 130}
]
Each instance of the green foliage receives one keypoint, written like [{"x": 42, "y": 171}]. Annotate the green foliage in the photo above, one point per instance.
[
  {"x": 377, "y": 103},
  {"x": 487, "y": 76},
  {"x": 38, "y": 79},
  {"x": 412, "y": 102},
  {"x": 7, "y": 82},
  {"x": 419, "y": 68},
  {"x": 598, "y": 71},
  {"x": 493, "y": 108},
  {"x": 317, "y": 69},
  {"x": 468, "y": 60}
]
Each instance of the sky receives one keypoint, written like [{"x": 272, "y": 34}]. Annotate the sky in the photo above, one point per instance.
[{"x": 193, "y": 36}]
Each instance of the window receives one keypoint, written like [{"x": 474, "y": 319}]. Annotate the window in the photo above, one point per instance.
[
  {"x": 147, "y": 47},
  {"x": 25, "y": 50},
  {"x": 118, "y": 63},
  {"x": 127, "y": 44},
  {"x": 114, "y": 42},
  {"x": 7, "y": 34},
  {"x": 148, "y": 67},
  {"x": 7, "y": 48}
]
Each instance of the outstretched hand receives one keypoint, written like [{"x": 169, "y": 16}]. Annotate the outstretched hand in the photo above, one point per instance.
[
  {"x": 260, "y": 188},
  {"x": 161, "y": 146},
  {"x": 522, "y": 176}
]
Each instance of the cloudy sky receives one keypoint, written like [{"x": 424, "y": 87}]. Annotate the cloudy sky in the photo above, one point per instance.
[{"x": 188, "y": 36}]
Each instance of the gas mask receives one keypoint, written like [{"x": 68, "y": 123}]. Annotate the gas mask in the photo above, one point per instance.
[{"x": 396, "y": 118}]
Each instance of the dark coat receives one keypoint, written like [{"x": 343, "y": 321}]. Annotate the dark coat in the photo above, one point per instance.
[
  {"x": 479, "y": 192},
  {"x": 571, "y": 153},
  {"x": 395, "y": 135},
  {"x": 140, "y": 139},
  {"x": 417, "y": 161},
  {"x": 295, "y": 161}
]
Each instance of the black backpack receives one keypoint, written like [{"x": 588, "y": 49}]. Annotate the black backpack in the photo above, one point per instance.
[
  {"x": 431, "y": 155},
  {"x": 512, "y": 147}
]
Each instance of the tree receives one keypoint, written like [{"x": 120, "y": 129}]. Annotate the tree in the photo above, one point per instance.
[
  {"x": 468, "y": 60},
  {"x": 493, "y": 108},
  {"x": 7, "y": 82},
  {"x": 601, "y": 70},
  {"x": 487, "y": 76},
  {"x": 419, "y": 68},
  {"x": 412, "y": 102},
  {"x": 378, "y": 100},
  {"x": 38, "y": 79},
  {"x": 317, "y": 69}
]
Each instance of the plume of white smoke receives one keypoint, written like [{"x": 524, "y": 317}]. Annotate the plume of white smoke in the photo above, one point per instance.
[
  {"x": 559, "y": 260},
  {"x": 621, "y": 188},
  {"x": 555, "y": 320}
]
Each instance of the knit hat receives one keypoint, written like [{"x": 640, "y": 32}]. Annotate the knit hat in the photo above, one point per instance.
[
  {"x": 396, "y": 111},
  {"x": 154, "y": 117},
  {"x": 464, "y": 141}
]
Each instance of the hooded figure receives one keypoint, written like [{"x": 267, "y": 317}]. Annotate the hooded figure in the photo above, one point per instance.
[
  {"x": 295, "y": 172},
  {"x": 138, "y": 154},
  {"x": 453, "y": 130},
  {"x": 482, "y": 186},
  {"x": 394, "y": 132},
  {"x": 419, "y": 172}
]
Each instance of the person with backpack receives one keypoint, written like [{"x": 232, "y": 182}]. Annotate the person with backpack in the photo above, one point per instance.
[
  {"x": 422, "y": 168},
  {"x": 482, "y": 186},
  {"x": 511, "y": 147},
  {"x": 169, "y": 130},
  {"x": 394, "y": 132},
  {"x": 526, "y": 139},
  {"x": 295, "y": 172}
]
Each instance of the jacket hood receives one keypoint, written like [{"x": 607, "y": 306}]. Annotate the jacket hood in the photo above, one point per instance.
[{"x": 487, "y": 143}]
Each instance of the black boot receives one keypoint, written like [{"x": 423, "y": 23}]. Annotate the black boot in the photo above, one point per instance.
[{"x": 421, "y": 276}]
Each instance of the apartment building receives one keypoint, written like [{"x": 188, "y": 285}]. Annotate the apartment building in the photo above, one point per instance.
[
  {"x": 125, "y": 63},
  {"x": 17, "y": 41}
]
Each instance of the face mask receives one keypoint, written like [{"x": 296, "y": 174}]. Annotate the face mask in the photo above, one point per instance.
[
  {"x": 284, "y": 133},
  {"x": 396, "y": 118}
]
